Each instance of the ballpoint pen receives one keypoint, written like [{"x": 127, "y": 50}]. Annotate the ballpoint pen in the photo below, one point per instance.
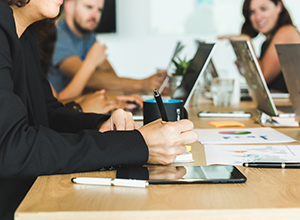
[
  {"x": 272, "y": 165},
  {"x": 160, "y": 105},
  {"x": 110, "y": 182}
]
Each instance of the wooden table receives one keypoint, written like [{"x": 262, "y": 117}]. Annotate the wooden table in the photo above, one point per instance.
[{"x": 267, "y": 194}]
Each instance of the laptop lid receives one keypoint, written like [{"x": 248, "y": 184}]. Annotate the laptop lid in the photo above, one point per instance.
[
  {"x": 178, "y": 48},
  {"x": 249, "y": 67},
  {"x": 289, "y": 58},
  {"x": 196, "y": 68}
]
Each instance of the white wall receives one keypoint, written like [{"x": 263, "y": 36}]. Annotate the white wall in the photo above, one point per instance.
[{"x": 137, "y": 49}]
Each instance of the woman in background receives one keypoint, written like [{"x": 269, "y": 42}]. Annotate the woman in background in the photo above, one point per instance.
[{"x": 270, "y": 18}]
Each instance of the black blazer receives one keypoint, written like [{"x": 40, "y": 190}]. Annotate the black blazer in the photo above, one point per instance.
[{"x": 38, "y": 135}]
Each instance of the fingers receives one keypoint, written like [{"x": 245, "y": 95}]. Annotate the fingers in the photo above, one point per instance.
[
  {"x": 184, "y": 125},
  {"x": 162, "y": 73},
  {"x": 102, "y": 91},
  {"x": 132, "y": 98},
  {"x": 123, "y": 120},
  {"x": 189, "y": 137},
  {"x": 167, "y": 140}
]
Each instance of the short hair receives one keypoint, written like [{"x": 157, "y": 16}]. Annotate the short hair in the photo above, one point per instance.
[
  {"x": 19, "y": 3},
  {"x": 247, "y": 28}
]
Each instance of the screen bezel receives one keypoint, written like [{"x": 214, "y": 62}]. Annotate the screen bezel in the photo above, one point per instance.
[{"x": 236, "y": 176}]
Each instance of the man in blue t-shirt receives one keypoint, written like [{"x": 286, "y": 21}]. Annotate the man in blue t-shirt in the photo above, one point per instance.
[{"x": 75, "y": 40}]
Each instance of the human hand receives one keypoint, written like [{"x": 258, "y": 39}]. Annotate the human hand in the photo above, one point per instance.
[
  {"x": 166, "y": 172},
  {"x": 166, "y": 140},
  {"x": 123, "y": 100},
  {"x": 119, "y": 120},
  {"x": 96, "y": 55},
  {"x": 236, "y": 37},
  {"x": 154, "y": 81},
  {"x": 97, "y": 102}
]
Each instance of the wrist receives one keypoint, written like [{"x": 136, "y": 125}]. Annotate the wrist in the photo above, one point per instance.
[{"x": 74, "y": 106}]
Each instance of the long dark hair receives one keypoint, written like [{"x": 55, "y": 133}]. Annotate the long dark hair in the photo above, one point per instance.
[
  {"x": 46, "y": 33},
  {"x": 19, "y": 3},
  {"x": 47, "y": 36},
  {"x": 247, "y": 28}
]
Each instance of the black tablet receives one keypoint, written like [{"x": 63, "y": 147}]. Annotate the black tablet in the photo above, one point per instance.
[{"x": 183, "y": 174}]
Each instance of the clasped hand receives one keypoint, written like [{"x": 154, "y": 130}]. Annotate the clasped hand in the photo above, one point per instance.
[{"x": 165, "y": 140}]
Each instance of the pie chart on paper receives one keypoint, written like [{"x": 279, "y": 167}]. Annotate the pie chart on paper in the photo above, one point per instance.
[{"x": 235, "y": 132}]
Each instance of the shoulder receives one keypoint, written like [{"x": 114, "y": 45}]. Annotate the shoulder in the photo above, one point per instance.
[
  {"x": 63, "y": 31},
  {"x": 287, "y": 34}
]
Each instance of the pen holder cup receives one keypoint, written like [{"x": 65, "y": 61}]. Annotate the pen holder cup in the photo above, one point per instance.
[{"x": 174, "y": 109}]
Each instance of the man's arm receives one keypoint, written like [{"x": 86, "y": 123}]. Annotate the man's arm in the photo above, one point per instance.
[{"x": 106, "y": 78}]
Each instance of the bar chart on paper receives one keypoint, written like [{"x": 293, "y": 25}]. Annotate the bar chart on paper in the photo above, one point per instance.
[
  {"x": 239, "y": 154},
  {"x": 242, "y": 136}
]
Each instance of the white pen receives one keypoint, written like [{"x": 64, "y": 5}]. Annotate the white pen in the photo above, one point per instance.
[{"x": 110, "y": 182}]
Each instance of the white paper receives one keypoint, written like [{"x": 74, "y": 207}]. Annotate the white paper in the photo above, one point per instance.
[
  {"x": 186, "y": 157},
  {"x": 242, "y": 136},
  {"x": 239, "y": 154},
  {"x": 285, "y": 121}
]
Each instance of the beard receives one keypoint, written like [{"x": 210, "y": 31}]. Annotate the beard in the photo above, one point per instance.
[{"x": 81, "y": 29}]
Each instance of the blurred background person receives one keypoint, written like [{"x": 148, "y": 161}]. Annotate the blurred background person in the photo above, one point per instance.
[
  {"x": 71, "y": 95},
  {"x": 272, "y": 19},
  {"x": 77, "y": 47}
]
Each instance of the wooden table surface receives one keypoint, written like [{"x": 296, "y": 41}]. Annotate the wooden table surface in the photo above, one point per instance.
[{"x": 267, "y": 193}]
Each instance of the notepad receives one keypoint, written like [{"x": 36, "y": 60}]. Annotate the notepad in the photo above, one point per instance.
[{"x": 186, "y": 157}]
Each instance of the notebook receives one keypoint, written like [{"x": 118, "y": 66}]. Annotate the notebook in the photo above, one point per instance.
[
  {"x": 249, "y": 67},
  {"x": 289, "y": 58}
]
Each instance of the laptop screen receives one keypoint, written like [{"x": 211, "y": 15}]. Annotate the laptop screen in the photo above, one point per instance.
[
  {"x": 248, "y": 67},
  {"x": 195, "y": 69},
  {"x": 289, "y": 57},
  {"x": 177, "y": 50}
]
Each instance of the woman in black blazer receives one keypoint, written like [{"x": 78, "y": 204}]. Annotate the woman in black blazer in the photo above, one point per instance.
[{"x": 39, "y": 136}]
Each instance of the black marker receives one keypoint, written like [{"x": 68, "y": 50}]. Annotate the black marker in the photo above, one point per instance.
[
  {"x": 272, "y": 165},
  {"x": 160, "y": 105}
]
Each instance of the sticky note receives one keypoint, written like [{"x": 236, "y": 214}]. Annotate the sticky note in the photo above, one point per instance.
[
  {"x": 188, "y": 147},
  {"x": 222, "y": 124}
]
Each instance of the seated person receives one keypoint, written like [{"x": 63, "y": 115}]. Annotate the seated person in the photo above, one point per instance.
[
  {"x": 98, "y": 101},
  {"x": 270, "y": 18},
  {"x": 77, "y": 49},
  {"x": 40, "y": 136}
]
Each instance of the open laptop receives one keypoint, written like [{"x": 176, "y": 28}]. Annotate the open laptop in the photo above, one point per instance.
[
  {"x": 178, "y": 48},
  {"x": 249, "y": 67},
  {"x": 289, "y": 58},
  {"x": 191, "y": 79},
  {"x": 194, "y": 71},
  {"x": 137, "y": 112}
]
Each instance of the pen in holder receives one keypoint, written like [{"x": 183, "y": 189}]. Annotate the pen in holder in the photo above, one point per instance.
[
  {"x": 160, "y": 106},
  {"x": 173, "y": 107}
]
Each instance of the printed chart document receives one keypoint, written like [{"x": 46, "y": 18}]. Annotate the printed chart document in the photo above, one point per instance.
[
  {"x": 242, "y": 136},
  {"x": 238, "y": 154}
]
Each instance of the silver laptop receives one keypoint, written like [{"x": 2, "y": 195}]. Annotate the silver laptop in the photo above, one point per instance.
[
  {"x": 195, "y": 70},
  {"x": 177, "y": 50},
  {"x": 249, "y": 67},
  {"x": 289, "y": 58},
  {"x": 191, "y": 79},
  {"x": 137, "y": 112}
]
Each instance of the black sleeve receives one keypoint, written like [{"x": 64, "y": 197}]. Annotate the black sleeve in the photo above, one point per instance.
[{"x": 28, "y": 150}]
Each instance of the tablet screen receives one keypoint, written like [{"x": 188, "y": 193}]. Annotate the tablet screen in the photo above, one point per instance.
[{"x": 183, "y": 174}]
